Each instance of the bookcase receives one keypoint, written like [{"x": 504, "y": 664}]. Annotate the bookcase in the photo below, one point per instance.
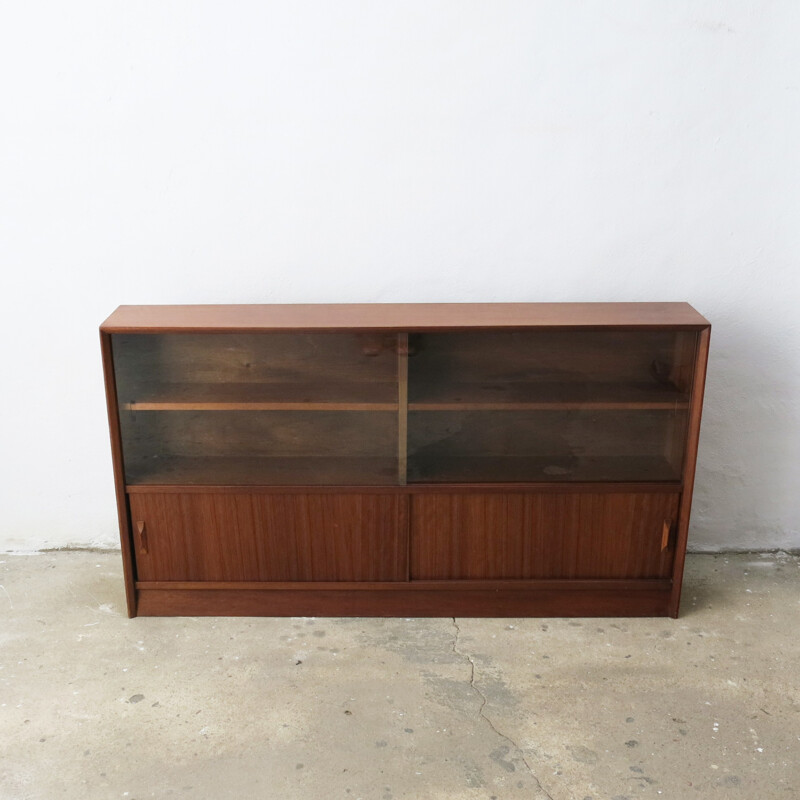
[{"x": 405, "y": 459}]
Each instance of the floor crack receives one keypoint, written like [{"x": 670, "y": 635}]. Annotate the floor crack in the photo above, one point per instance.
[{"x": 482, "y": 713}]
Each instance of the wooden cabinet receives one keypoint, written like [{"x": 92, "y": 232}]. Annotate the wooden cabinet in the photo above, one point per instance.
[{"x": 501, "y": 459}]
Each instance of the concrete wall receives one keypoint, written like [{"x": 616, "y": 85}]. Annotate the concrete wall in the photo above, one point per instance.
[{"x": 198, "y": 152}]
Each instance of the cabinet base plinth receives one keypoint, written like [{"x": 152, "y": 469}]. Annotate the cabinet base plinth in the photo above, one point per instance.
[{"x": 565, "y": 598}]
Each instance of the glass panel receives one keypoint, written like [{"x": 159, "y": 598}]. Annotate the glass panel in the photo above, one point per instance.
[
  {"x": 548, "y": 406},
  {"x": 258, "y": 408}
]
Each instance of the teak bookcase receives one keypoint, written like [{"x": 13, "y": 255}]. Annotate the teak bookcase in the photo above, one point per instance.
[{"x": 508, "y": 459}]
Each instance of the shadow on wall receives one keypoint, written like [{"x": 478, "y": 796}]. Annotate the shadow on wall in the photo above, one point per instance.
[{"x": 746, "y": 494}]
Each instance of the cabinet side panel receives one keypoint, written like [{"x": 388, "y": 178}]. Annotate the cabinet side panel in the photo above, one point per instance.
[
  {"x": 690, "y": 465},
  {"x": 270, "y": 537},
  {"x": 119, "y": 473}
]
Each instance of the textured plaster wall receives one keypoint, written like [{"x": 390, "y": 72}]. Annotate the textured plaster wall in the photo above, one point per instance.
[{"x": 167, "y": 152}]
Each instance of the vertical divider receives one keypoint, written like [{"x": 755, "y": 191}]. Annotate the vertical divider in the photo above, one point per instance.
[{"x": 402, "y": 408}]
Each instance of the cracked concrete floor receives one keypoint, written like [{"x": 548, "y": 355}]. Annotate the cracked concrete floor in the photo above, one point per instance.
[{"x": 93, "y": 705}]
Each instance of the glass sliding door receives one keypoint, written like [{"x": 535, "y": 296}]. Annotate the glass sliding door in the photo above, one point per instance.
[
  {"x": 272, "y": 408},
  {"x": 548, "y": 406}
]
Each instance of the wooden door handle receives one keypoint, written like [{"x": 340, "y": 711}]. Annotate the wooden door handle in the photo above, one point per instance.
[
  {"x": 142, "y": 536},
  {"x": 666, "y": 532}
]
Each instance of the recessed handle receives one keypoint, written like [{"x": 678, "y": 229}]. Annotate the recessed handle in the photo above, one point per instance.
[
  {"x": 140, "y": 526},
  {"x": 666, "y": 533}
]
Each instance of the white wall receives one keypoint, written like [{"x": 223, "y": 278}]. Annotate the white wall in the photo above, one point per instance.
[{"x": 165, "y": 152}]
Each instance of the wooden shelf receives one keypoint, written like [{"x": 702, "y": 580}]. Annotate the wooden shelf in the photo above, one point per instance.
[
  {"x": 549, "y": 397},
  {"x": 377, "y": 396},
  {"x": 254, "y": 470},
  {"x": 383, "y": 397},
  {"x": 518, "y": 469}
]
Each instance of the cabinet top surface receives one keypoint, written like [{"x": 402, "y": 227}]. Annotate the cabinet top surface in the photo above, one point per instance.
[{"x": 400, "y": 316}]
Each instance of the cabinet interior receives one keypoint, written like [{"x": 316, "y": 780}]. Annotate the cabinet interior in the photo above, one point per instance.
[{"x": 390, "y": 409}]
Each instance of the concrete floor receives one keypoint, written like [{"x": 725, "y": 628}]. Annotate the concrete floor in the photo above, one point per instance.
[{"x": 93, "y": 705}]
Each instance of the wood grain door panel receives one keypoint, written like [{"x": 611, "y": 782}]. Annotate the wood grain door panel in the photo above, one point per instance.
[
  {"x": 547, "y": 535},
  {"x": 269, "y": 537}
]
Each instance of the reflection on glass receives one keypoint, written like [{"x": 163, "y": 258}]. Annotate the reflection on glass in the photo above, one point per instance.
[
  {"x": 258, "y": 408},
  {"x": 361, "y": 409},
  {"x": 548, "y": 406}
]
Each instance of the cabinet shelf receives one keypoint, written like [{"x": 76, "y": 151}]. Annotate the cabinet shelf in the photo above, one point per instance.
[
  {"x": 261, "y": 470},
  {"x": 567, "y": 396},
  {"x": 378, "y": 396},
  {"x": 530, "y": 469}
]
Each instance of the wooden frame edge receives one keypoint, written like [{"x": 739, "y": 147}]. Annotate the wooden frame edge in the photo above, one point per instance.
[
  {"x": 126, "y": 542},
  {"x": 408, "y": 602},
  {"x": 689, "y": 469},
  {"x": 666, "y": 487},
  {"x": 439, "y": 585}
]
